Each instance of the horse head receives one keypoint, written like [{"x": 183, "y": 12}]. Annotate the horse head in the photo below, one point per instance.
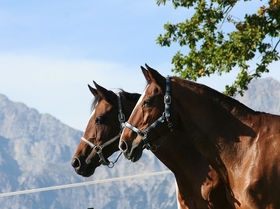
[
  {"x": 100, "y": 139},
  {"x": 152, "y": 110}
]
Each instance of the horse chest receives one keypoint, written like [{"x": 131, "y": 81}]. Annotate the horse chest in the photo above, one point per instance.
[{"x": 255, "y": 181}]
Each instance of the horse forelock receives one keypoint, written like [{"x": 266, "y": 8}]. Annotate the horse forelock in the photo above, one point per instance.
[{"x": 94, "y": 103}]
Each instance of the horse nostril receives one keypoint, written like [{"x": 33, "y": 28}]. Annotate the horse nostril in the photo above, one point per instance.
[
  {"x": 76, "y": 163},
  {"x": 123, "y": 146}
]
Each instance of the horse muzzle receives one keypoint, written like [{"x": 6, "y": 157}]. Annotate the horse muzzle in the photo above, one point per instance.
[
  {"x": 132, "y": 153},
  {"x": 83, "y": 167}
]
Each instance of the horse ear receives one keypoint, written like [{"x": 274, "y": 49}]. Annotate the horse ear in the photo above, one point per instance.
[
  {"x": 156, "y": 76},
  {"x": 146, "y": 74},
  {"x": 93, "y": 90},
  {"x": 108, "y": 95}
]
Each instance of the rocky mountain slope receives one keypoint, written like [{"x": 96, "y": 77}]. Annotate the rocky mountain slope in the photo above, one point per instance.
[
  {"x": 263, "y": 95},
  {"x": 36, "y": 151}
]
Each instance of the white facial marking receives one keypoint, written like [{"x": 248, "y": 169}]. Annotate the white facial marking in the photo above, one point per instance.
[
  {"x": 138, "y": 102},
  {"x": 140, "y": 99},
  {"x": 92, "y": 114}
]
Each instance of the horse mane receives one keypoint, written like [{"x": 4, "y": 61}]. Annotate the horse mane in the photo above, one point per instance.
[
  {"x": 95, "y": 101},
  {"x": 130, "y": 96},
  {"x": 216, "y": 97}
]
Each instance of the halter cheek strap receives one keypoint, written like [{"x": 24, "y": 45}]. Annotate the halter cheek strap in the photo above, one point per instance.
[
  {"x": 164, "y": 117},
  {"x": 167, "y": 103},
  {"x": 98, "y": 149}
]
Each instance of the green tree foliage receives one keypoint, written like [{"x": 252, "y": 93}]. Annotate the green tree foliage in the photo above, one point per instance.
[{"x": 209, "y": 49}]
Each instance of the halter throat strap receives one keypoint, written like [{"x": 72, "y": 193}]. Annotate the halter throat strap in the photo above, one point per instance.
[
  {"x": 164, "y": 117},
  {"x": 98, "y": 149}
]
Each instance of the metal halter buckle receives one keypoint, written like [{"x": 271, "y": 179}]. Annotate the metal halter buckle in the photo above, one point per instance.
[
  {"x": 167, "y": 99},
  {"x": 143, "y": 134},
  {"x": 121, "y": 117},
  {"x": 98, "y": 149}
]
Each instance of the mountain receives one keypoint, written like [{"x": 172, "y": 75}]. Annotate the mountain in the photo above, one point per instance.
[
  {"x": 263, "y": 95},
  {"x": 36, "y": 151}
]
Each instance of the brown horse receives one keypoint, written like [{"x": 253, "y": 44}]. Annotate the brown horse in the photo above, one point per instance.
[
  {"x": 102, "y": 133},
  {"x": 199, "y": 185},
  {"x": 240, "y": 144}
]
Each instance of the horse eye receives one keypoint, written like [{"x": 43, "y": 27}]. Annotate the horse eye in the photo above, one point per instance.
[
  {"x": 156, "y": 90},
  {"x": 148, "y": 103},
  {"x": 99, "y": 120}
]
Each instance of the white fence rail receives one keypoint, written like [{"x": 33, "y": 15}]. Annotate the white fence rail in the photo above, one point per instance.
[{"x": 66, "y": 186}]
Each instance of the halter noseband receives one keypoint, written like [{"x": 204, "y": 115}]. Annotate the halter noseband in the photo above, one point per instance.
[
  {"x": 98, "y": 149},
  {"x": 164, "y": 117}
]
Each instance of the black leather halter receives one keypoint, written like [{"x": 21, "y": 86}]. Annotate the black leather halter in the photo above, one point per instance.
[
  {"x": 164, "y": 117},
  {"x": 98, "y": 149}
]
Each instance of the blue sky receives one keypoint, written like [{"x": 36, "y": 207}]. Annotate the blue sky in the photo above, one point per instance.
[{"x": 50, "y": 51}]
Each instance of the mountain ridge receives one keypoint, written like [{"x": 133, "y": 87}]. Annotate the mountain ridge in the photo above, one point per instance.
[
  {"x": 263, "y": 95},
  {"x": 36, "y": 151}
]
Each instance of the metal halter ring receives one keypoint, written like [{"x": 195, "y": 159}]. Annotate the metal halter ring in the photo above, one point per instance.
[{"x": 98, "y": 149}]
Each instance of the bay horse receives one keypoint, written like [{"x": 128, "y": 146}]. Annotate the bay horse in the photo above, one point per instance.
[
  {"x": 198, "y": 184},
  {"x": 241, "y": 145},
  {"x": 102, "y": 134}
]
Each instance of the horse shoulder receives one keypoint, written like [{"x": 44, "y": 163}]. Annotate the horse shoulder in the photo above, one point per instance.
[{"x": 264, "y": 187}]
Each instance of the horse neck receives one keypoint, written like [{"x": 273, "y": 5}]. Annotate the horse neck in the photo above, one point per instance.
[
  {"x": 188, "y": 166},
  {"x": 208, "y": 114},
  {"x": 213, "y": 122}
]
